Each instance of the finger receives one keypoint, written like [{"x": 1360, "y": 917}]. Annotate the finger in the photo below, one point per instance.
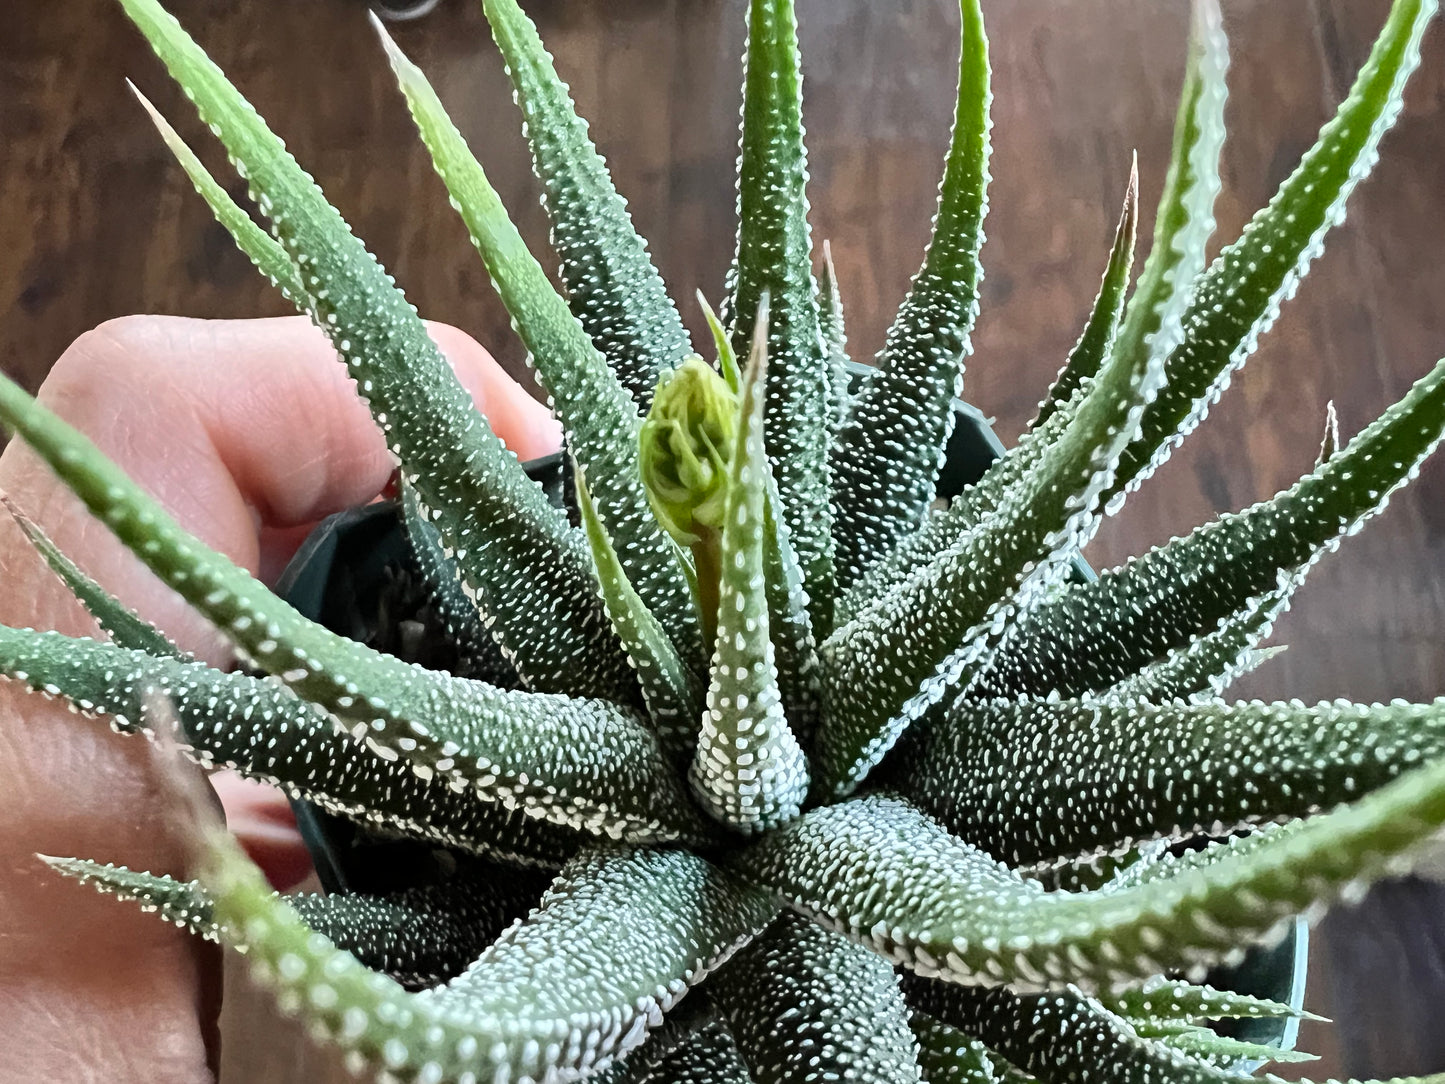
[
  {"x": 260, "y": 817},
  {"x": 239, "y": 429},
  {"x": 526, "y": 426},
  {"x": 243, "y": 428}
]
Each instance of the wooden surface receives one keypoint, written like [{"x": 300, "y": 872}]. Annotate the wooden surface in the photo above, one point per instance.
[{"x": 96, "y": 222}]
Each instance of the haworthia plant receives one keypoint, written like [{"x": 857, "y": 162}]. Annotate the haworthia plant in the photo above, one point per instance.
[{"x": 767, "y": 723}]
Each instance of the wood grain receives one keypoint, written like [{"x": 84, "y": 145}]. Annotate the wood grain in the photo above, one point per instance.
[{"x": 98, "y": 223}]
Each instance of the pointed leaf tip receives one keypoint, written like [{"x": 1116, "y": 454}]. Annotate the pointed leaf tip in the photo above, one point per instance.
[{"x": 1330, "y": 442}]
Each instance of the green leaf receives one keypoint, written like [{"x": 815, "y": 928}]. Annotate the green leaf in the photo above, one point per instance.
[
  {"x": 674, "y": 702},
  {"x": 184, "y": 903},
  {"x": 1170, "y": 999},
  {"x": 727, "y": 357},
  {"x": 949, "y": 1056},
  {"x": 419, "y": 937},
  {"x": 885, "y": 462},
  {"x": 612, "y": 286},
  {"x": 1066, "y": 1038},
  {"x": 890, "y": 878},
  {"x": 807, "y": 1006},
  {"x": 748, "y": 771},
  {"x": 496, "y": 521},
  {"x": 268, "y": 256},
  {"x": 830, "y": 312},
  {"x": 790, "y": 627},
  {"x": 1208, "y": 664},
  {"x": 1184, "y": 221},
  {"x": 1097, "y": 340},
  {"x": 1201, "y": 1042},
  {"x": 774, "y": 260},
  {"x": 574, "y": 761},
  {"x": 1239, "y": 297},
  {"x": 1003, "y": 477},
  {"x": 616, "y": 941},
  {"x": 258, "y": 728},
  {"x": 112, "y": 615},
  {"x": 939, "y": 627},
  {"x": 600, "y": 419},
  {"x": 835, "y": 337},
  {"x": 701, "y": 1053},
  {"x": 479, "y": 655},
  {"x": 1183, "y": 226},
  {"x": 1035, "y": 780},
  {"x": 1096, "y": 634}
]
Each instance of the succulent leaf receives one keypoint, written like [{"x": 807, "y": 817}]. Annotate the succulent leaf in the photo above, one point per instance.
[
  {"x": 268, "y": 255},
  {"x": 1201, "y": 1042},
  {"x": 113, "y": 616},
  {"x": 1097, "y": 339},
  {"x": 835, "y": 338},
  {"x": 1239, "y": 297},
  {"x": 727, "y": 357},
  {"x": 480, "y": 655},
  {"x": 674, "y": 701},
  {"x": 1162, "y": 999},
  {"x": 1162, "y": 859},
  {"x": 526, "y": 561},
  {"x": 790, "y": 626},
  {"x": 948, "y": 1056},
  {"x": 420, "y": 937},
  {"x": 1032, "y": 781},
  {"x": 616, "y": 941},
  {"x": 886, "y": 875},
  {"x": 885, "y": 461},
  {"x": 938, "y": 628},
  {"x": 185, "y": 903},
  {"x": 704, "y": 1053},
  {"x": 258, "y": 728},
  {"x": 600, "y": 419},
  {"x": 830, "y": 310},
  {"x": 1207, "y": 665},
  {"x": 807, "y": 1006},
  {"x": 1065, "y": 1037},
  {"x": 774, "y": 269},
  {"x": 612, "y": 285},
  {"x": 1184, "y": 221},
  {"x": 748, "y": 771},
  {"x": 1330, "y": 442},
  {"x": 1156, "y": 603}
]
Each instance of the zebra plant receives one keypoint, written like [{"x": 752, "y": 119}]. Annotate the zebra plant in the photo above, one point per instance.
[{"x": 916, "y": 799}]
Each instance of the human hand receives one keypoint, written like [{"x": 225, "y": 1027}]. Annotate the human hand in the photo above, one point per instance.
[{"x": 249, "y": 432}]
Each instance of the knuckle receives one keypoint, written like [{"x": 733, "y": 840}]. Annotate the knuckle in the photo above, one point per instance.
[{"x": 115, "y": 354}]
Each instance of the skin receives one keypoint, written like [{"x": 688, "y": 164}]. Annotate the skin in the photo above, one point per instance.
[{"x": 249, "y": 432}]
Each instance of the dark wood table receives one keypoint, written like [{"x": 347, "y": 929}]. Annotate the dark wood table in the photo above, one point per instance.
[{"x": 95, "y": 222}]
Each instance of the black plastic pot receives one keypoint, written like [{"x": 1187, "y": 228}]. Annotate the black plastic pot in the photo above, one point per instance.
[
  {"x": 400, "y": 11},
  {"x": 347, "y": 566}
]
